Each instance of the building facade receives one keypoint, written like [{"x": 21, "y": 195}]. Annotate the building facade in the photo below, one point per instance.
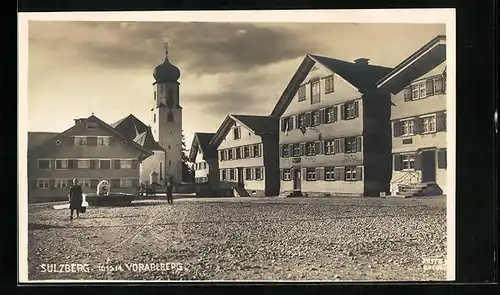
[
  {"x": 206, "y": 164},
  {"x": 90, "y": 151},
  {"x": 247, "y": 148},
  {"x": 418, "y": 120},
  {"x": 334, "y": 134}
]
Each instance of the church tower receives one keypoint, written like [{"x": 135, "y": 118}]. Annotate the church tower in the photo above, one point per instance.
[{"x": 166, "y": 116}]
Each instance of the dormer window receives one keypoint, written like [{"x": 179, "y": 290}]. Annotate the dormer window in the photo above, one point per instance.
[
  {"x": 315, "y": 92},
  {"x": 236, "y": 133}
]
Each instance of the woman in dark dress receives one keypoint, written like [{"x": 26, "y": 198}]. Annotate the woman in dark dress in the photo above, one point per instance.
[
  {"x": 170, "y": 199},
  {"x": 75, "y": 198}
]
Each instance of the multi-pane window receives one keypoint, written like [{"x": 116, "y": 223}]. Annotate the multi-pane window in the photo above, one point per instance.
[
  {"x": 80, "y": 140},
  {"x": 331, "y": 114},
  {"x": 258, "y": 173},
  {"x": 438, "y": 85},
  {"x": 223, "y": 174},
  {"x": 43, "y": 164},
  {"x": 125, "y": 182},
  {"x": 238, "y": 153},
  {"x": 329, "y": 84},
  {"x": 285, "y": 150},
  {"x": 418, "y": 90},
  {"x": 256, "y": 150},
  {"x": 350, "y": 145},
  {"x": 428, "y": 124},
  {"x": 315, "y": 92},
  {"x": 61, "y": 183},
  {"x": 408, "y": 162},
  {"x": 237, "y": 133},
  {"x": 329, "y": 147},
  {"x": 311, "y": 149},
  {"x": 350, "y": 110},
  {"x": 310, "y": 173},
  {"x": 287, "y": 174},
  {"x": 248, "y": 173},
  {"x": 350, "y": 173},
  {"x": 407, "y": 127},
  {"x": 105, "y": 164},
  {"x": 222, "y": 155},
  {"x": 302, "y": 121},
  {"x": 232, "y": 175},
  {"x": 84, "y": 182},
  {"x": 296, "y": 149},
  {"x": 315, "y": 118},
  {"x": 230, "y": 154},
  {"x": 422, "y": 88},
  {"x": 61, "y": 164},
  {"x": 103, "y": 141},
  {"x": 43, "y": 183},
  {"x": 125, "y": 164},
  {"x": 246, "y": 152},
  {"x": 302, "y": 93},
  {"x": 329, "y": 173},
  {"x": 83, "y": 164}
]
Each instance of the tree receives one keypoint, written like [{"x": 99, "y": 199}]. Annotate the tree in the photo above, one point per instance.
[{"x": 187, "y": 173}]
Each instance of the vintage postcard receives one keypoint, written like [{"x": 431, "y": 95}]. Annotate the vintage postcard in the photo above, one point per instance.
[{"x": 237, "y": 146}]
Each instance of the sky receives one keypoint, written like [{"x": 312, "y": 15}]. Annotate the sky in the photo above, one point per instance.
[{"x": 77, "y": 68}]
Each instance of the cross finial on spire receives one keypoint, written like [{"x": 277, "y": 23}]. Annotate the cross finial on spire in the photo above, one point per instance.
[{"x": 165, "y": 45}]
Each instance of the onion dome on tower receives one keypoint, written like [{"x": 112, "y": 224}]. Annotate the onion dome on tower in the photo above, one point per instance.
[{"x": 166, "y": 72}]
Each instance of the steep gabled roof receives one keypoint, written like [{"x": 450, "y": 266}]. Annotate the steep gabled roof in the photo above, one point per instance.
[
  {"x": 420, "y": 62},
  {"x": 259, "y": 125},
  {"x": 201, "y": 141},
  {"x": 101, "y": 123},
  {"x": 361, "y": 76},
  {"x": 37, "y": 138},
  {"x": 134, "y": 129}
]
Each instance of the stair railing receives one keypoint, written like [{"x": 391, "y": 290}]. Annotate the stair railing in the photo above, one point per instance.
[{"x": 407, "y": 178}]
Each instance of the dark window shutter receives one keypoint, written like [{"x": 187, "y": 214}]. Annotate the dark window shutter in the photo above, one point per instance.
[
  {"x": 290, "y": 150},
  {"x": 110, "y": 140},
  {"x": 304, "y": 173},
  {"x": 356, "y": 109},
  {"x": 135, "y": 183},
  {"x": 303, "y": 151},
  {"x": 135, "y": 163},
  {"x": 297, "y": 121},
  {"x": 52, "y": 183},
  {"x": 115, "y": 183},
  {"x": 322, "y": 116},
  {"x": 92, "y": 141},
  {"x": 398, "y": 162},
  {"x": 396, "y": 128},
  {"x": 442, "y": 162},
  {"x": 341, "y": 145},
  {"x": 359, "y": 173},
  {"x": 34, "y": 183},
  {"x": 93, "y": 164},
  {"x": 417, "y": 125},
  {"x": 282, "y": 174},
  {"x": 116, "y": 164},
  {"x": 358, "y": 144},
  {"x": 341, "y": 173},
  {"x": 407, "y": 94},
  {"x": 418, "y": 161},
  {"x": 429, "y": 87},
  {"x": 290, "y": 122},
  {"x": 308, "y": 119},
  {"x": 281, "y": 150},
  {"x": 440, "y": 121},
  {"x": 94, "y": 183},
  {"x": 320, "y": 175},
  {"x": 317, "y": 147},
  {"x": 282, "y": 122},
  {"x": 335, "y": 113},
  {"x": 342, "y": 112},
  {"x": 71, "y": 164}
]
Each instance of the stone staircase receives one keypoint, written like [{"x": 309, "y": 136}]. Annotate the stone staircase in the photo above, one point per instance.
[
  {"x": 412, "y": 189},
  {"x": 240, "y": 192}
]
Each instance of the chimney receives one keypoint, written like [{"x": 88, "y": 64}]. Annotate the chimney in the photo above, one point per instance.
[{"x": 361, "y": 61}]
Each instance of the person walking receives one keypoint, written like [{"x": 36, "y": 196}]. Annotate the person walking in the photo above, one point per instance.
[
  {"x": 170, "y": 197},
  {"x": 75, "y": 198}
]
